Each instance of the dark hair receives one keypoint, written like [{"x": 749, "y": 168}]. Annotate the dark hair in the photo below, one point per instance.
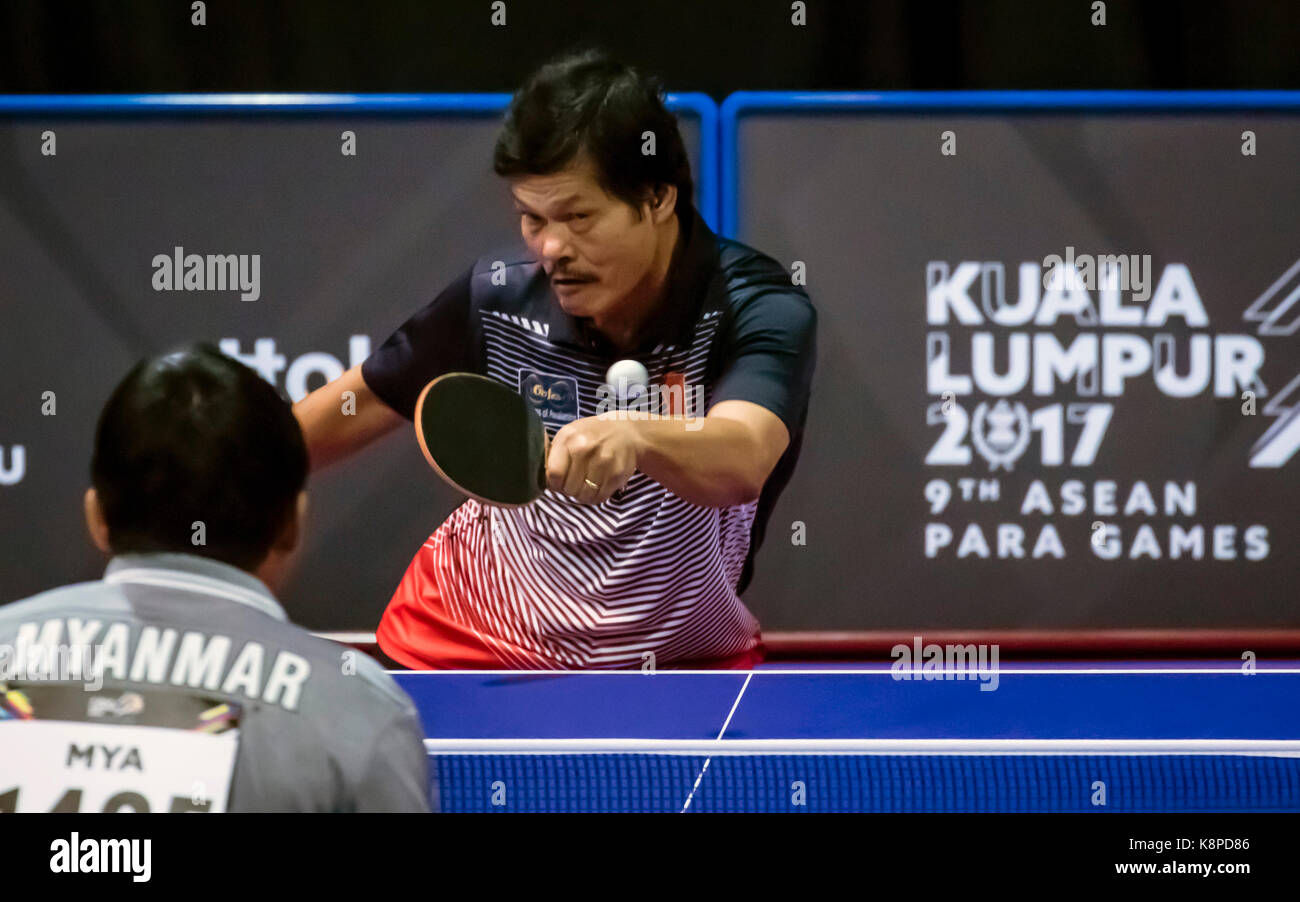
[
  {"x": 589, "y": 102},
  {"x": 197, "y": 436}
]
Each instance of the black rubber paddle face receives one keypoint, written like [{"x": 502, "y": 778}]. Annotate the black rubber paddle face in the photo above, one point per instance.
[{"x": 482, "y": 438}]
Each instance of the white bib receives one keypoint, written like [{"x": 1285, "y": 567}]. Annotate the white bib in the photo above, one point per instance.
[{"x": 48, "y": 765}]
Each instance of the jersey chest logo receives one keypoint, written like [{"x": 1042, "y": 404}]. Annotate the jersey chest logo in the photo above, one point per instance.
[{"x": 555, "y": 398}]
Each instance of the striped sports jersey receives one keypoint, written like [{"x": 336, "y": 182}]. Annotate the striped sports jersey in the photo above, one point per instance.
[{"x": 561, "y": 584}]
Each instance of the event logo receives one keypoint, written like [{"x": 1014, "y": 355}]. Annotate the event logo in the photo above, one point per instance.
[
  {"x": 1002, "y": 435},
  {"x": 1096, "y": 331},
  {"x": 1282, "y": 299},
  {"x": 1277, "y": 311}
]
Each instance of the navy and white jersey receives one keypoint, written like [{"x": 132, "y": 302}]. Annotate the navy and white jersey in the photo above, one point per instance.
[
  {"x": 562, "y": 584},
  {"x": 176, "y": 683}
]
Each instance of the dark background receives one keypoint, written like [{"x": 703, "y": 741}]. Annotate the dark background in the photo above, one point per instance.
[{"x": 716, "y": 46}]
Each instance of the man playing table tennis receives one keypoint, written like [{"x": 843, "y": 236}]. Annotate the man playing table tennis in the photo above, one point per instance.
[{"x": 639, "y": 549}]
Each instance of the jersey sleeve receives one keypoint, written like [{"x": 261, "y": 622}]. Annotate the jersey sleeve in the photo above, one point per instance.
[
  {"x": 770, "y": 352},
  {"x": 436, "y": 340}
]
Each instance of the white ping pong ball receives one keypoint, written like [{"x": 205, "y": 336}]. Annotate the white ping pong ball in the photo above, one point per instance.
[{"x": 626, "y": 376}]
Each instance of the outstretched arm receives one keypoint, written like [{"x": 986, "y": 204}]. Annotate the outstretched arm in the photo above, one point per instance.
[
  {"x": 720, "y": 460},
  {"x": 341, "y": 418}
]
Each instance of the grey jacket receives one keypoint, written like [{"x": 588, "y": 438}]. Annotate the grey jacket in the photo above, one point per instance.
[{"x": 180, "y": 638}]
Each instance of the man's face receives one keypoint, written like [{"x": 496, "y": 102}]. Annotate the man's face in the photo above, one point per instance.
[{"x": 593, "y": 247}]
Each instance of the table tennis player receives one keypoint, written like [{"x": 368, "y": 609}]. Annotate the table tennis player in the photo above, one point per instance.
[{"x": 640, "y": 548}]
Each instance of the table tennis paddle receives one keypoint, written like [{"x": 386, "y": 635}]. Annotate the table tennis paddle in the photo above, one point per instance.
[{"x": 483, "y": 438}]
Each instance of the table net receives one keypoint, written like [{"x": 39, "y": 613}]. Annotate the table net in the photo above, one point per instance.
[{"x": 801, "y": 782}]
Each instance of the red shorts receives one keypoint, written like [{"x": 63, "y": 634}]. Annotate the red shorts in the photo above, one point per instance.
[{"x": 417, "y": 633}]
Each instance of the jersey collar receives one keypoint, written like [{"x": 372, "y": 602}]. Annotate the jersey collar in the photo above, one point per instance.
[{"x": 191, "y": 573}]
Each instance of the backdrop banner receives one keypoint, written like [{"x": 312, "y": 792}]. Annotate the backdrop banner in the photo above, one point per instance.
[{"x": 1059, "y": 364}]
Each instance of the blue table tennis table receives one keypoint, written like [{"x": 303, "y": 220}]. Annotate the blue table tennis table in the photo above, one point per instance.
[{"x": 1041, "y": 737}]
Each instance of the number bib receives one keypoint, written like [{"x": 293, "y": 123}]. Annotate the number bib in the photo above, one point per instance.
[{"x": 57, "y": 766}]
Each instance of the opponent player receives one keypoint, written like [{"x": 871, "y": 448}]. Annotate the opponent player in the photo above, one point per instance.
[
  {"x": 197, "y": 491},
  {"x": 638, "y": 552}
]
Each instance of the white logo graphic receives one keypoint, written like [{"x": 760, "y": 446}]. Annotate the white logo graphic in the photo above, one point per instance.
[
  {"x": 1269, "y": 314},
  {"x": 1002, "y": 434},
  {"x": 1281, "y": 441}
]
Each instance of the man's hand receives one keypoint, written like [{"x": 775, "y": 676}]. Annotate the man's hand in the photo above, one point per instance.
[
  {"x": 717, "y": 461},
  {"x": 592, "y": 458}
]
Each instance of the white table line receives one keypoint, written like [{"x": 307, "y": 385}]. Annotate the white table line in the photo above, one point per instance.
[
  {"x": 717, "y": 747},
  {"x": 726, "y": 723}
]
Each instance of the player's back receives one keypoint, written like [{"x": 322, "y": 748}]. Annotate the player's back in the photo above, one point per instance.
[{"x": 208, "y": 694}]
